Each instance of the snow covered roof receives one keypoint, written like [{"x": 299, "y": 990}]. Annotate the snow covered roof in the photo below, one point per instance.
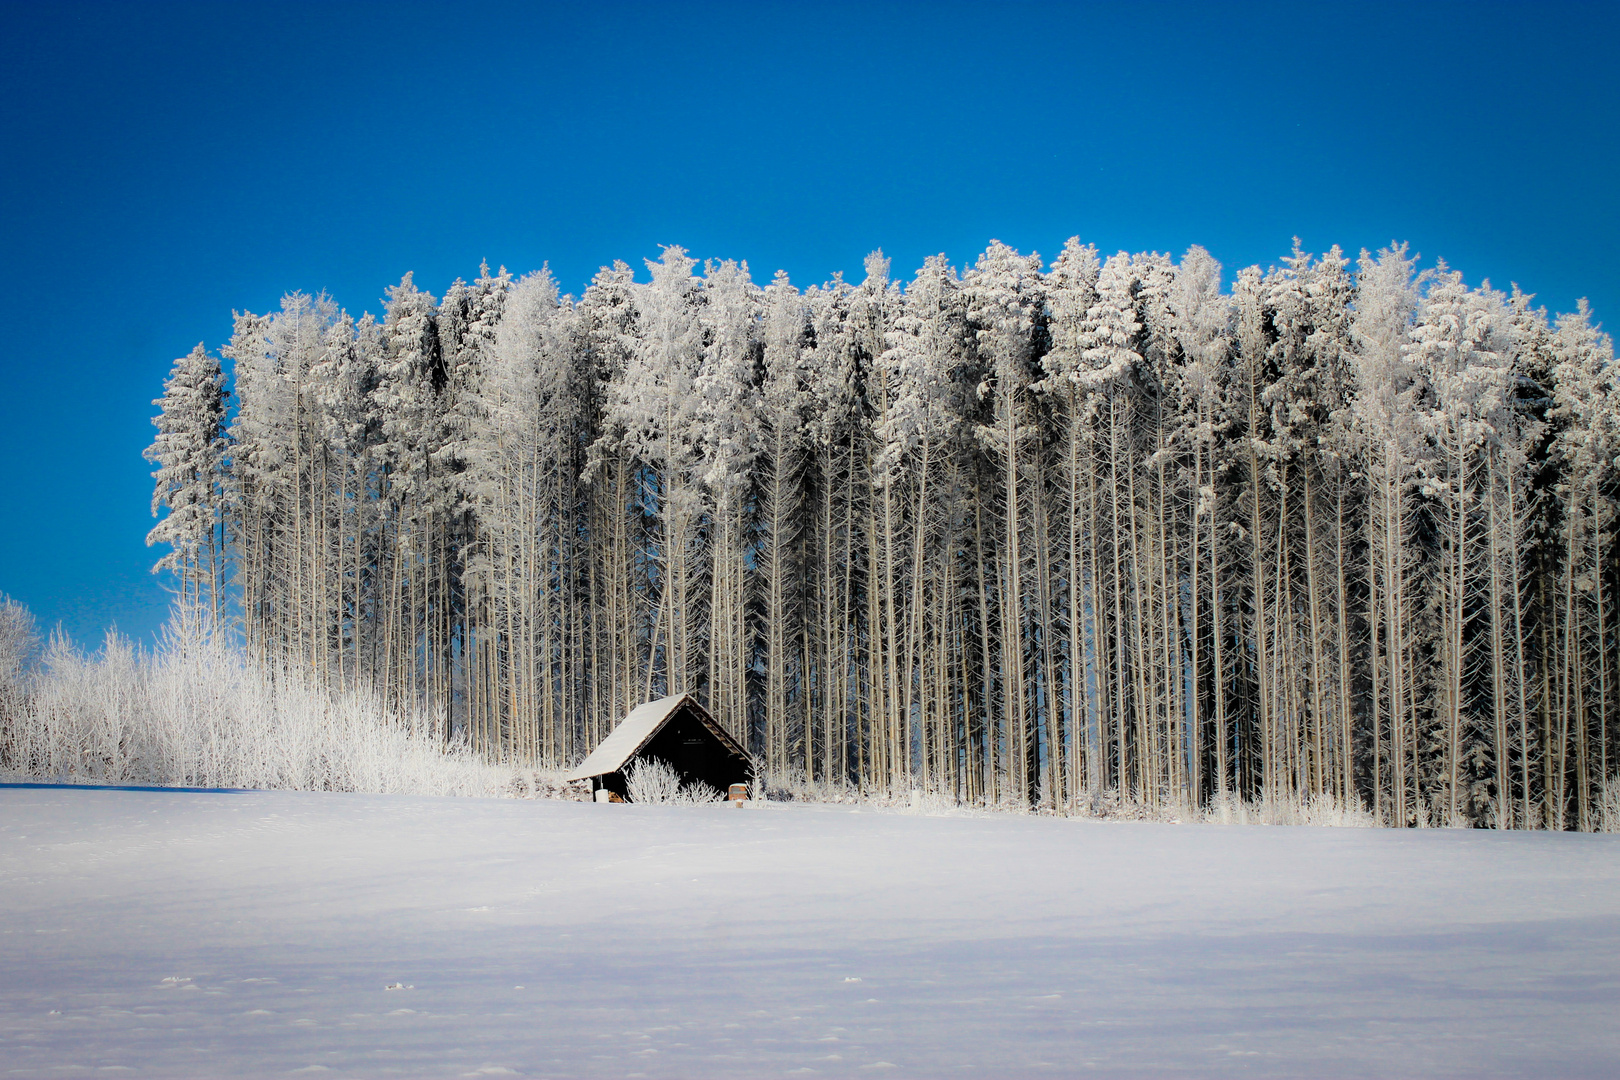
[{"x": 633, "y": 733}]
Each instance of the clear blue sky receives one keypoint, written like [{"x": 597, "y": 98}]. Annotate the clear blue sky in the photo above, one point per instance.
[{"x": 161, "y": 165}]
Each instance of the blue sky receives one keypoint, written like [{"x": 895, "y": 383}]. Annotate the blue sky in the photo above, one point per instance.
[{"x": 164, "y": 164}]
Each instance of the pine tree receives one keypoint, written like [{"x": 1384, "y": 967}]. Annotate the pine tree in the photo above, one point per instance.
[
  {"x": 918, "y": 459},
  {"x": 189, "y": 452},
  {"x": 1005, "y": 308},
  {"x": 1386, "y": 406},
  {"x": 1586, "y": 416},
  {"x": 727, "y": 428},
  {"x": 650, "y": 417},
  {"x": 783, "y": 629},
  {"x": 1199, "y": 317}
]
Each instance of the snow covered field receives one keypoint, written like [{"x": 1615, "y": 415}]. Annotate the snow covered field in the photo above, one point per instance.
[{"x": 253, "y": 934}]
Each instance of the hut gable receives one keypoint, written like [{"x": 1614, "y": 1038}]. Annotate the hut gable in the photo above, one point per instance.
[{"x": 677, "y": 731}]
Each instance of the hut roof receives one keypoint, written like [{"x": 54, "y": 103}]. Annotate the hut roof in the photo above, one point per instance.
[{"x": 634, "y": 732}]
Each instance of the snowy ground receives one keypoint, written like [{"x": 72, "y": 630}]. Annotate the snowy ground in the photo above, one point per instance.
[{"x": 253, "y": 934}]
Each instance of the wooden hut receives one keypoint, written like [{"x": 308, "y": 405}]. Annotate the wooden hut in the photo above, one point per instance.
[{"x": 677, "y": 731}]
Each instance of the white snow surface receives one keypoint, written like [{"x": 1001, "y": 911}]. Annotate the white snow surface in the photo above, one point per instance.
[
  {"x": 633, "y": 731},
  {"x": 180, "y": 934}
]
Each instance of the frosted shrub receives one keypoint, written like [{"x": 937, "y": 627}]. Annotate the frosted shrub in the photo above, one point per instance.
[
  {"x": 656, "y": 782},
  {"x": 652, "y": 781},
  {"x": 697, "y": 794},
  {"x": 1317, "y": 809},
  {"x": 1609, "y": 811},
  {"x": 197, "y": 712},
  {"x": 789, "y": 785}
]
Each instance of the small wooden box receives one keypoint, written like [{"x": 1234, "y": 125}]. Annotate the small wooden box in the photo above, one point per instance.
[{"x": 737, "y": 793}]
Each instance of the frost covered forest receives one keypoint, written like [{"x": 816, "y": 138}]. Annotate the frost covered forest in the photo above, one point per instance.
[{"x": 1014, "y": 534}]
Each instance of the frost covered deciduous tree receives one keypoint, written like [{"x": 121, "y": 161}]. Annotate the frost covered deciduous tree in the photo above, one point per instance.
[{"x": 19, "y": 646}]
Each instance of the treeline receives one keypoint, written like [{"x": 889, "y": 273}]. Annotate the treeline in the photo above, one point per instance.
[{"x": 1016, "y": 534}]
